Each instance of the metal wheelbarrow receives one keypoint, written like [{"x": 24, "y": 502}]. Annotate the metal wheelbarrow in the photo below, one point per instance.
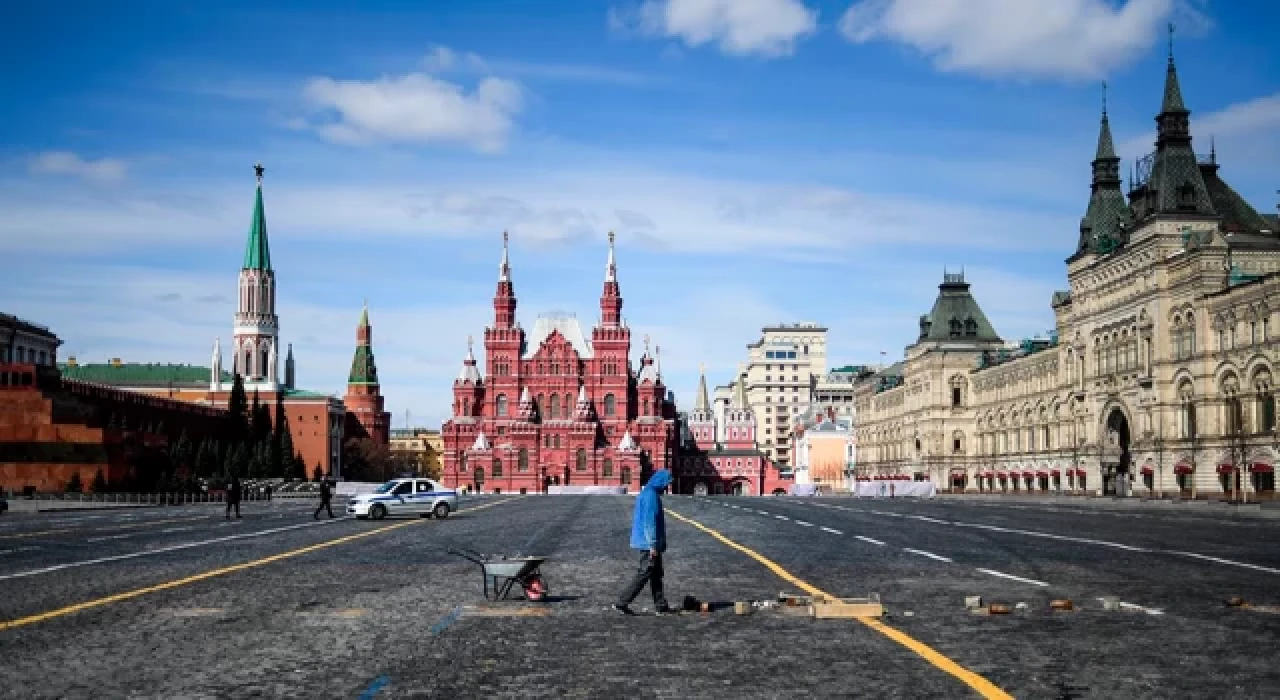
[{"x": 501, "y": 574}]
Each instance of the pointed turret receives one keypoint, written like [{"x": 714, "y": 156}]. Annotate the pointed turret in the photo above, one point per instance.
[
  {"x": 504, "y": 301},
  {"x": 740, "y": 393},
  {"x": 363, "y": 368},
  {"x": 215, "y": 372},
  {"x": 1106, "y": 220},
  {"x": 470, "y": 373},
  {"x": 366, "y": 407},
  {"x": 611, "y": 297},
  {"x": 628, "y": 443},
  {"x": 257, "y": 253},
  {"x": 1172, "y": 101},
  {"x": 290, "y": 378},
  {"x": 702, "y": 404},
  {"x": 1175, "y": 185}
]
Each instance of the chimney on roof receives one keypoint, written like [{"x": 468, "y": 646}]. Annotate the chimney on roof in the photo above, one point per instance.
[
  {"x": 71, "y": 361},
  {"x": 115, "y": 362}
]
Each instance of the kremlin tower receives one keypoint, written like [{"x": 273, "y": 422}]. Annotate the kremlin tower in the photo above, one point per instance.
[{"x": 366, "y": 414}]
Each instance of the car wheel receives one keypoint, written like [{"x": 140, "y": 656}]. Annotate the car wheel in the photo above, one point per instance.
[
  {"x": 441, "y": 511},
  {"x": 377, "y": 511}
]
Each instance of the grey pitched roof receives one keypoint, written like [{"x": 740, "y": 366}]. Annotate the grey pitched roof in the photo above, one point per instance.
[
  {"x": 956, "y": 315},
  {"x": 1175, "y": 185},
  {"x": 1237, "y": 215}
]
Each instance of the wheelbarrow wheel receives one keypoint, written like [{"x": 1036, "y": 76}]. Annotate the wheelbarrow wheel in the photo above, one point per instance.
[{"x": 534, "y": 588}]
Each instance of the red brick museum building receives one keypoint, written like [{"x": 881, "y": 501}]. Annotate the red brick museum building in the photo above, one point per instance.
[{"x": 552, "y": 407}]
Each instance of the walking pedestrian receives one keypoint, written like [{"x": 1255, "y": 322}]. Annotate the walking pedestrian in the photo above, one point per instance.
[
  {"x": 326, "y": 495},
  {"x": 649, "y": 535},
  {"x": 233, "y": 496},
  {"x": 268, "y": 489}
]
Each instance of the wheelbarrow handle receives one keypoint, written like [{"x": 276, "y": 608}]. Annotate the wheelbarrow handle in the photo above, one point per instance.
[{"x": 468, "y": 554}]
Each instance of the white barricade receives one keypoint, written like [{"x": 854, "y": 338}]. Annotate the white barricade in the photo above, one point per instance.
[
  {"x": 895, "y": 489},
  {"x": 573, "y": 489}
]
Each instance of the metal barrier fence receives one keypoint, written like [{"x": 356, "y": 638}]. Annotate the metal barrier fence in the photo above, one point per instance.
[{"x": 157, "y": 499}]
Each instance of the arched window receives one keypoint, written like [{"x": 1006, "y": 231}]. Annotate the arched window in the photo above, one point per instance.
[
  {"x": 555, "y": 407},
  {"x": 522, "y": 460},
  {"x": 581, "y": 460},
  {"x": 497, "y": 467},
  {"x": 466, "y": 407},
  {"x": 607, "y": 469},
  {"x": 1266, "y": 402},
  {"x": 501, "y": 405},
  {"x": 646, "y": 407},
  {"x": 610, "y": 405},
  {"x": 555, "y": 441},
  {"x": 266, "y": 359},
  {"x": 546, "y": 440},
  {"x": 462, "y": 463},
  {"x": 626, "y": 476}
]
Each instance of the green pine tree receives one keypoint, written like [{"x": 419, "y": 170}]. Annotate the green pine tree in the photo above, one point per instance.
[
  {"x": 237, "y": 412},
  {"x": 181, "y": 454},
  {"x": 74, "y": 485},
  {"x": 298, "y": 470},
  {"x": 99, "y": 482}
]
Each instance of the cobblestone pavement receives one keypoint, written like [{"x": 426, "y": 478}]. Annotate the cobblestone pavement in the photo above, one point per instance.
[{"x": 379, "y": 610}]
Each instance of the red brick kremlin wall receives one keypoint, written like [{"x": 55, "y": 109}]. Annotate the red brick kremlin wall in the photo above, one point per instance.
[{"x": 51, "y": 428}]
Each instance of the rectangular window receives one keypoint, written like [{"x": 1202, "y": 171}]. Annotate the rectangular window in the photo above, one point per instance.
[{"x": 955, "y": 397}]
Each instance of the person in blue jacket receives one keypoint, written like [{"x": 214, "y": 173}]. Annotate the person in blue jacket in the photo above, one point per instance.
[{"x": 649, "y": 535}]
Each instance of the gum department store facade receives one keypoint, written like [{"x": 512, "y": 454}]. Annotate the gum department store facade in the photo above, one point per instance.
[{"x": 1159, "y": 378}]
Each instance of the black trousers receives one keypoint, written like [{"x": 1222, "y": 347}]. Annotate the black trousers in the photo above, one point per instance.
[
  {"x": 236, "y": 505},
  {"x": 324, "y": 505},
  {"x": 650, "y": 572}
]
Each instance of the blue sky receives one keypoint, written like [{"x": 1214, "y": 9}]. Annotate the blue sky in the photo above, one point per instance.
[{"x": 760, "y": 160}]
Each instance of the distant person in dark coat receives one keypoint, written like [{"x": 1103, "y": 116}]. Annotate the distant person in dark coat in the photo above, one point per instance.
[
  {"x": 649, "y": 535},
  {"x": 268, "y": 490},
  {"x": 233, "y": 496},
  {"x": 326, "y": 496}
]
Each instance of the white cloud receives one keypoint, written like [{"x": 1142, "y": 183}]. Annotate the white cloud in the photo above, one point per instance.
[
  {"x": 66, "y": 163},
  {"x": 415, "y": 108},
  {"x": 1073, "y": 39},
  {"x": 740, "y": 27}
]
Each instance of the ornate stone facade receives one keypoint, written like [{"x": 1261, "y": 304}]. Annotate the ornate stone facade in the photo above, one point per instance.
[
  {"x": 1158, "y": 379},
  {"x": 553, "y": 408}
]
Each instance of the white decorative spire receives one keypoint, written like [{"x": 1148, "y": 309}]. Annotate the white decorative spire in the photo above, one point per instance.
[
  {"x": 272, "y": 361},
  {"x": 470, "y": 373},
  {"x": 215, "y": 371},
  {"x": 657, "y": 355},
  {"x": 481, "y": 442},
  {"x": 504, "y": 269},
  {"x": 627, "y": 444},
  {"x": 611, "y": 267}
]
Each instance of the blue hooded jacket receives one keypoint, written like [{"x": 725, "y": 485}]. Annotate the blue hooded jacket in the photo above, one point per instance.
[{"x": 648, "y": 530}]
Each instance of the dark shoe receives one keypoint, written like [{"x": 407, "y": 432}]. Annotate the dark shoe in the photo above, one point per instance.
[
  {"x": 665, "y": 610},
  {"x": 621, "y": 609}
]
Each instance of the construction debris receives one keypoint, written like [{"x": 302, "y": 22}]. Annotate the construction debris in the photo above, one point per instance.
[{"x": 973, "y": 601}]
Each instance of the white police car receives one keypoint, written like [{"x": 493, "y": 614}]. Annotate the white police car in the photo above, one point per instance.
[{"x": 408, "y": 496}]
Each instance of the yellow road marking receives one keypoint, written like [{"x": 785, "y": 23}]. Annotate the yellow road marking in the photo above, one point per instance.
[
  {"x": 127, "y": 595},
  {"x": 984, "y": 687}
]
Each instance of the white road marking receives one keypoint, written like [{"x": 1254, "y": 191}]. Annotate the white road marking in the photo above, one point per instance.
[
  {"x": 112, "y": 537},
  {"x": 178, "y": 529},
  {"x": 15, "y": 550},
  {"x": 162, "y": 550},
  {"x": 1013, "y": 578},
  {"x": 834, "y": 532},
  {"x": 1134, "y": 606},
  {"x": 763, "y": 512},
  {"x": 868, "y": 539},
  {"x": 1228, "y": 562},
  {"x": 801, "y": 522},
  {"x": 931, "y": 520},
  {"x": 923, "y": 553},
  {"x": 781, "y": 517}
]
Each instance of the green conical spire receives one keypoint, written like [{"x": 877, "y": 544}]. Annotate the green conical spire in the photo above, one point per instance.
[
  {"x": 364, "y": 316},
  {"x": 257, "y": 254},
  {"x": 1172, "y": 91},
  {"x": 1106, "y": 147}
]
